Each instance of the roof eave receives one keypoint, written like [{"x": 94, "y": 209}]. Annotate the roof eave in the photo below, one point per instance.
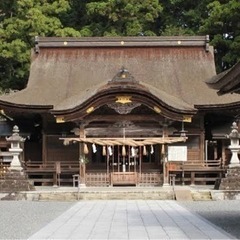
[
  {"x": 225, "y": 106},
  {"x": 66, "y": 42},
  {"x": 25, "y": 107},
  {"x": 225, "y": 81}
]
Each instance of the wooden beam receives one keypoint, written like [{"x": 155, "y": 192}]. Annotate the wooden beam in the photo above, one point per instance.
[{"x": 129, "y": 117}]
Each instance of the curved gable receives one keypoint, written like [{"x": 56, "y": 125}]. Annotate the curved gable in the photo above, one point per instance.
[{"x": 123, "y": 90}]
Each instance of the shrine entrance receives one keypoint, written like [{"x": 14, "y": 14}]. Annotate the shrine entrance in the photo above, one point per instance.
[
  {"x": 124, "y": 165},
  {"x": 124, "y": 161}
]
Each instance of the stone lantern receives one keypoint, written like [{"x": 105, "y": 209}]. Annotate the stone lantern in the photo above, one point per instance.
[
  {"x": 234, "y": 137},
  {"x": 15, "y": 139}
]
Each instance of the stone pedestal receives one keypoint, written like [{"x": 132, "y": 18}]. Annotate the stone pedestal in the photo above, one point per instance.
[
  {"x": 231, "y": 180},
  {"x": 15, "y": 164},
  {"x": 234, "y": 162},
  {"x": 15, "y": 181}
]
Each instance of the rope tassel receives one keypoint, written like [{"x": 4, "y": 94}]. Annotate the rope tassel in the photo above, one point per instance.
[
  {"x": 123, "y": 150},
  {"x": 110, "y": 151},
  {"x": 85, "y": 148},
  {"x": 94, "y": 149},
  {"x": 144, "y": 151},
  {"x": 152, "y": 149},
  {"x": 104, "y": 153}
]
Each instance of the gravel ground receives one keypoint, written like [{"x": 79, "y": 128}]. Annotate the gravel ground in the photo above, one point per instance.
[
  {"x": 225, "y": 214},
  {"x": 20, "y": 219}
]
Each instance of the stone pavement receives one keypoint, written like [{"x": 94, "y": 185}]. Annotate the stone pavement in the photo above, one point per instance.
[{"x": 129, "y": 219}]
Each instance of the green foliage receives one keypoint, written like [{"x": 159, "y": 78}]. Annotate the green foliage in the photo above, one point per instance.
[
  {"x": 21, "y": 22},
  {"x": 223, "y": 25},
  {"x": 182, "y": 17},
  {"x": 171, "y": 30},
  {"x": 123, "y": 17},
  {"x": 83, "y": 159}
]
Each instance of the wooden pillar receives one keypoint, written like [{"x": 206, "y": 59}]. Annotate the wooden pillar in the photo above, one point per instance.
[
  {"x": 82, "y": 164},
  {"x": 202, "y": 139},
  {"x": 113, "y": 158},
  {"x": 44, "y": 148},
  {"x": 118, "y": 163},
  {"x": 192, "y": 178},
  {"x": 165, "y": 167},
  {"x": 140, "y": 160},
  {"x": 165, "y": 160},
  {"x": 108, "y": 162},
  {"x": 223, "y": 154},
  {"x": 215, "y": 151},
  {"x": 44, "y": 141}
]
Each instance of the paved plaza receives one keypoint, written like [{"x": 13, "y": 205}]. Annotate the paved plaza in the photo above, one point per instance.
[{"x": 129, "y": 219}]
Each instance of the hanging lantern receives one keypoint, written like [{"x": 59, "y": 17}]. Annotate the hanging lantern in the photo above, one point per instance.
[
  {"x": 85, "y": 148},
  {"x": 94, "y": 148},
  {"x": 104, "y": 153},
  {"x": 152, "y": 149},
  {"x": 123, "y": 151},
  {"x": 144, "y": 151}
]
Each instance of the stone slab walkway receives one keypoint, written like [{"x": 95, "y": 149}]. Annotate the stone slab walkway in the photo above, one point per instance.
[{"x": 129, "y": 219}]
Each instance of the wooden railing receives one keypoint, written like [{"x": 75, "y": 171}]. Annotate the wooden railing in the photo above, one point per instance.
[
  {"x": 197, "y": 172},
  {"x": 147, "y": 179},
  {"x": 124, "y": 178},
  {"x": 150, "y": 179},
  {"x": 58, "y": 173},
  {"x": 97, "y": 179},
  {"x": 51, "y": 173}
]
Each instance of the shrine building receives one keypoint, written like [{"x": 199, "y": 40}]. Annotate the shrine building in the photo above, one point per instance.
[{"x": 121, "y": 111}]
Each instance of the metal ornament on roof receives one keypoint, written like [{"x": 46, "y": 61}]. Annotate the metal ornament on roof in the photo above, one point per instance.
[
  {"x": 123, "y": 76},
  {"x": 125, "y": 105},
  {"x": 123, "y": 108}
]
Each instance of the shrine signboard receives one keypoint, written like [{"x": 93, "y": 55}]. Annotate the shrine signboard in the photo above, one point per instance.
[{"x": 177, "y": 153}]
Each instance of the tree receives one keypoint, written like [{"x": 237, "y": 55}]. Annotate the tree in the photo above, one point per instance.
[
  {"x": 122, "y": 17},
  {"x": 182, "y": 17},
  {"x": 20, "y": 22},
  {"x": 223, "y": 25}
]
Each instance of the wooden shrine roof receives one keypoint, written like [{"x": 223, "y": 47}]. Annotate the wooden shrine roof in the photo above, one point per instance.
[
  {"x": 227, "y": 81},
  {"x": 66, "y": 73}
]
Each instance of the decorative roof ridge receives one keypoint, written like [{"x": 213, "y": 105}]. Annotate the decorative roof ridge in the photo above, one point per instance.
[
  {"x": 123, "y": 76},
  {"x": 140, "y": 41}
]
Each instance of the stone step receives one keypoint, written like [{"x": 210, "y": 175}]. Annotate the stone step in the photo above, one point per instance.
[
  {"x": 164, "y": 194},
  {"x": 183, "y": 195}
]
